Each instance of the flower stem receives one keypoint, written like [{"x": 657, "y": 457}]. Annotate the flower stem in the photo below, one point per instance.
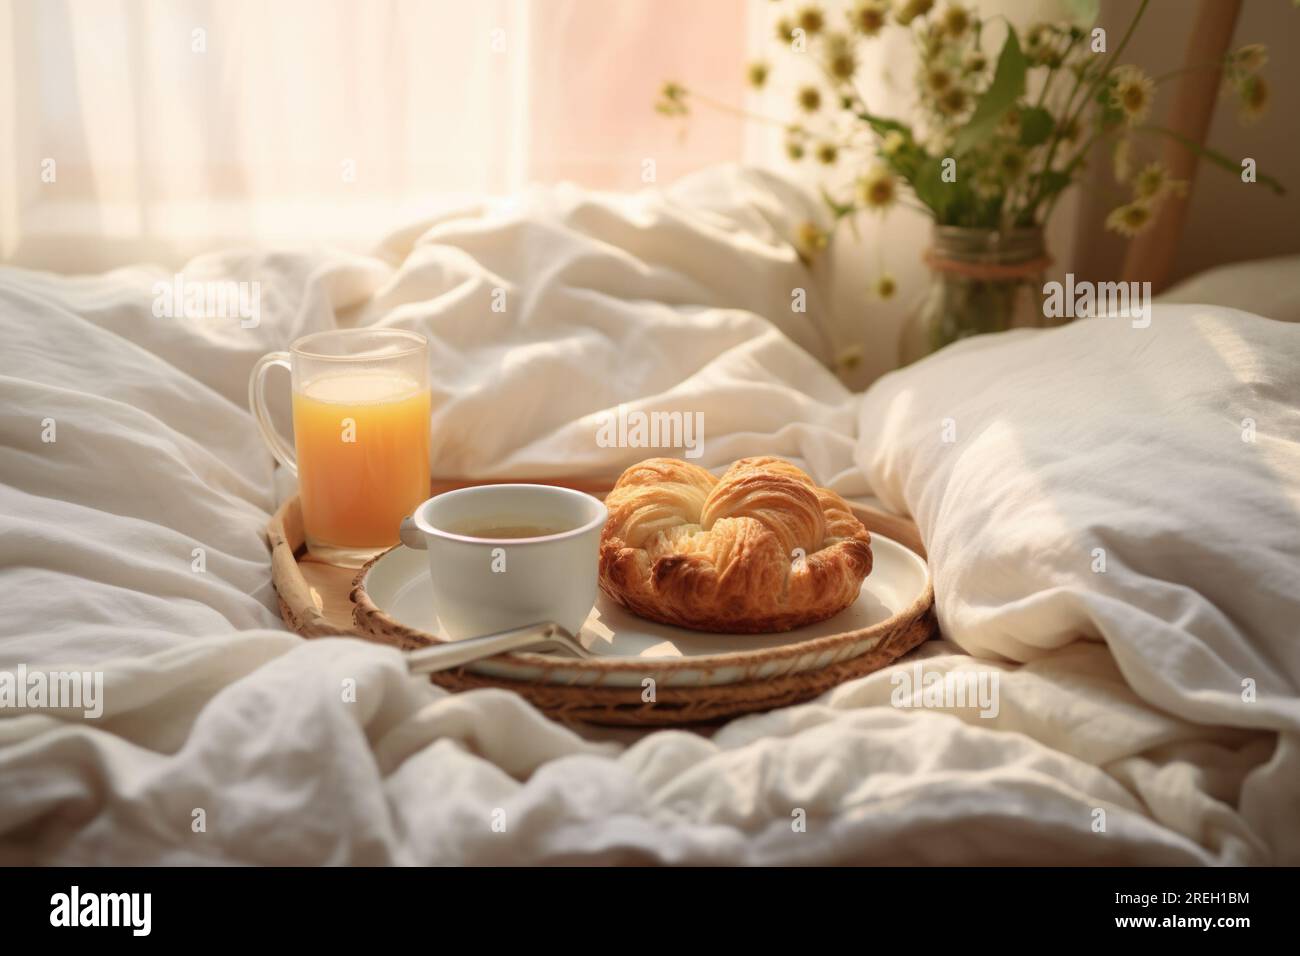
[
  {"x": 735, "y": 110},
  {"x": 1073, "y": 119},
  {"x": 1210, "y": 65},
  {"x": 1073, "y": 164}
]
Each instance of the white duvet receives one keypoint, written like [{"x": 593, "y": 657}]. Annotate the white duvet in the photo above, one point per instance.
[{"x": 1147, "y": 713}]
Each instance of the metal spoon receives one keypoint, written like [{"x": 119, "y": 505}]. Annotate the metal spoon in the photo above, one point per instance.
[{"x": 441, "y": 657}]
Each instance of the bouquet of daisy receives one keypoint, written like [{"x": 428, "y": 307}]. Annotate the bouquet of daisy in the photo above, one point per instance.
[{"x": 1004, "y": 120}]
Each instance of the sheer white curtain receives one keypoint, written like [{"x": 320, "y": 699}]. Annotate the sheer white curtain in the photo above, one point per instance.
[{"x": 155, "y": 129}]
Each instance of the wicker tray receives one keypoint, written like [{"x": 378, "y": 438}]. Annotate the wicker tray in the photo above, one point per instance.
[{"x": 318, "y": 599}]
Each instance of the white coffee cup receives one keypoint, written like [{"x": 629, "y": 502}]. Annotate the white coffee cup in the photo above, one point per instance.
[{"x": 485, "y": 585}]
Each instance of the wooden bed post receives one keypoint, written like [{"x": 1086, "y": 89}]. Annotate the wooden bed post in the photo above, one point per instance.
[{"x": 1150, "y": 256}]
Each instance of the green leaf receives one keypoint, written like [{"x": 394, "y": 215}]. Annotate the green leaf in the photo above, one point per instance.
[
  {"x": 1110, "y": 115},
  {"x": 1083, "y": 12},
  {"x": 841, "y": 210},
  {"x": 1231, "y": 165},
  {"x": 1051, "y": 182},
  {"x": 1008, "y": 86},
  {"x": 838, "y": 209},
  {"x": 1036, "y": 125},
  {"x": 880, "y": 125},
  {"x": 930, "y": 188}
]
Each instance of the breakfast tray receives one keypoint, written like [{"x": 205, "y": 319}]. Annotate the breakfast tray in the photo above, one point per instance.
[{"x": 318, "y": 600}]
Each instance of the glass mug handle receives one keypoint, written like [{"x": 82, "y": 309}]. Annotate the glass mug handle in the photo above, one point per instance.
[{"x": 280, "y": 448}]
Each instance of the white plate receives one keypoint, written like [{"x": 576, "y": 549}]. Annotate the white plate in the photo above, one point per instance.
[{"x": 630, "y": 648}]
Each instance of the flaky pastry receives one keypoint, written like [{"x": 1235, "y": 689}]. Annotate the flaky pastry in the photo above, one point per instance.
[{"x": 760, "y": 549}]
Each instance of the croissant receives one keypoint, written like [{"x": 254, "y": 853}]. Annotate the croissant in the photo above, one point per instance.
[{"x": 760, "y": 549}]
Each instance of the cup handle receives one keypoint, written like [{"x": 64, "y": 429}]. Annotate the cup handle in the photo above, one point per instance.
[
  {"x": 412, "y": 536},
  {"x": 280, "y": 448}
]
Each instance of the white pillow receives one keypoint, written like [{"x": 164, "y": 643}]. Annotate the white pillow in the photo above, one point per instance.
[
  {"x": 1171, "y": 454},
  {"x": 1264, "y": 286}
]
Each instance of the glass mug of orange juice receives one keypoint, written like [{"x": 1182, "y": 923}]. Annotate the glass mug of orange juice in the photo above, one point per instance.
[{"x": 361, "y": 436}]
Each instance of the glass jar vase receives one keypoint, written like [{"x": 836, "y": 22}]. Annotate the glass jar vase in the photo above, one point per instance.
[{"x": 982, "y": 280}]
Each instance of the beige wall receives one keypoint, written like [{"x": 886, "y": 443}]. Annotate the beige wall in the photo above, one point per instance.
[{"x": 1228, "y": 221}]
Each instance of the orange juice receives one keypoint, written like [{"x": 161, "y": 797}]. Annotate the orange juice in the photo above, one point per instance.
[{"x": 363, "y": 455}]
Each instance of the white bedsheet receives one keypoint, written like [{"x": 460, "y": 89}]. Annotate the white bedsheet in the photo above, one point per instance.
[{"x": 674, "y": 302}]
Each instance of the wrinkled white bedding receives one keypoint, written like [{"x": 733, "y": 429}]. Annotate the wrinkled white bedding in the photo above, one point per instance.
[{"x": 1116, "y": 689}]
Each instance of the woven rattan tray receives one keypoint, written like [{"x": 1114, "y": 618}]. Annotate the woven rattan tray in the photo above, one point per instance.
[{"x": 318, "y": 599}]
